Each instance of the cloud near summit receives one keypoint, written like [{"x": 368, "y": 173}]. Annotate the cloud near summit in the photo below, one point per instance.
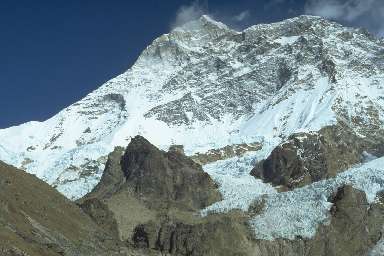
[
  {"x": 368, "y": 14},
  {"x": 242, "y": 16},
  {"x": 196, "y": 9},
  {"x": 360, "y": 13},
  {"x": 188, "y": 13}
]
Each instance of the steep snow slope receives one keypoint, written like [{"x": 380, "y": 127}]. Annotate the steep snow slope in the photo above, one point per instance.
[{"x": 206, "y": 86}]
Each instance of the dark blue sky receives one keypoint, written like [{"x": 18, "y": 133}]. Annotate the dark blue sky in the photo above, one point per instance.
[{"x": 55, "y": 52}]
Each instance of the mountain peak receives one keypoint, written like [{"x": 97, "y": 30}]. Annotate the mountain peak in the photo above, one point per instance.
[
  {"x": 209, "y": 20},
  {"x": 204, "y": 22},
  {"x": 206, "y": 86},
  {"x": 189, "y": 37}
]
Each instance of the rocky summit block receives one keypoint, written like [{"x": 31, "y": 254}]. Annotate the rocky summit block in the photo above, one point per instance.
[
  {"x": 158, "y": 178},
  {"x": 167, "y": 176}
]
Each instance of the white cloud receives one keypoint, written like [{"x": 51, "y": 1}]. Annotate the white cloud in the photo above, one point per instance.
[
  {"x": 337, "y": 9},
  {"x": 364, "y": 13},
  {"x": 325, "y": 8},
  {"x": 188, "y": 13},
  {"x": 242, "y": 16},
  {"x": 197, "y": 8}
]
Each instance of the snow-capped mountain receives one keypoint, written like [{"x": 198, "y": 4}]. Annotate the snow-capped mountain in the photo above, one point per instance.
[{"x": 205, "y": 86}]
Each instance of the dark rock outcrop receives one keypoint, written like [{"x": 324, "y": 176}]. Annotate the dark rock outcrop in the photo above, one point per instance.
[
  {"x": 215, "y": 235},
  {"x": 328, "y": 67},
  {"x": 145, "y": 187},
  {"x": 310, "y": 157},
  {"x": 116, "y": 98},
  {"x": 284, "y": 74},
  {"x": 174, "y": 112},
  {"x": 158, "y": 178},
  {"x": 177, "y": 148},
  {"x": 355, "y": 225},
  {"x": 113, "y": 177}
]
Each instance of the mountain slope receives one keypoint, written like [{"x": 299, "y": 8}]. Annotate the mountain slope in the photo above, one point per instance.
[
  {"x": 36, "y": 220},
  {"x": 206, "y": 86}
]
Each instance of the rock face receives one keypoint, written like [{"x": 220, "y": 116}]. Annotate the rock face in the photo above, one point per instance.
[
  {"x": 36, "y": 220},
  {"x": 215, "y": 235},
  {"x": 309, "y": 157},
  {"x": 113, "y": 176},
  {"x": 355, "y": 225},
  {"x": 158, "y": 178}
]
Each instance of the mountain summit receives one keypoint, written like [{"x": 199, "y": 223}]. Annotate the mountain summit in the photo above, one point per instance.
[{"x": 207, "y": 87}]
